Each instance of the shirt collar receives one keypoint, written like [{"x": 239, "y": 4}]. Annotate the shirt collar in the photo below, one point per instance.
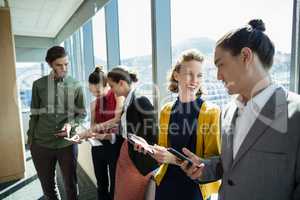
[
  {"x": 52, "y": 77},
  {"x": 240, "y": 103},
  {"x": 259, "y": 100}
]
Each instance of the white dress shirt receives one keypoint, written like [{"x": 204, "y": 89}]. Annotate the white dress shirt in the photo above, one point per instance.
[
  {"x": 247, "y": 115},
  {"x": 123, "y": 117}
]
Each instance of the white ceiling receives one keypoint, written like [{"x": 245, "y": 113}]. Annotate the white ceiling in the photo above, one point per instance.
[{"x": 41, "y": 18}]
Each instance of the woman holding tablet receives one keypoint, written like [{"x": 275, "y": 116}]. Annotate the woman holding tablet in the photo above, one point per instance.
[{"x": 133, "y": 168}]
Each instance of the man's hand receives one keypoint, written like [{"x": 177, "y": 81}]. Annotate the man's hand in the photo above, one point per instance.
[
  {"x": 65, "y": 131},
  {"x": 101, "y": 136},
  {"x": 195, "y": 170}
]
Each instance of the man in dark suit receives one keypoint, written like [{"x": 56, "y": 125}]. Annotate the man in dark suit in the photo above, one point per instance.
[{"x": 260, "y": 156}]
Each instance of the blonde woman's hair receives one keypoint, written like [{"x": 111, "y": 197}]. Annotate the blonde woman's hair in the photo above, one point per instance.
[{"x": 185, "y": 56}]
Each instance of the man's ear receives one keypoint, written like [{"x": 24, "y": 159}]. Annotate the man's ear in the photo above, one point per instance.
[{"x": 246, "y": 55}]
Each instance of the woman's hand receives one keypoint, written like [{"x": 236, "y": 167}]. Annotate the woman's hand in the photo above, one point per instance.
[
  {"x": 101, "y": 136},
  {"x": 141, "y": 145},
  {"x": 85, "y": 134},
  {"x": 97, "y": 128},
  {"x": 139, "y": 148},
  {"x": 75, "y": 139},
  {"x": 162, "y": 155}
]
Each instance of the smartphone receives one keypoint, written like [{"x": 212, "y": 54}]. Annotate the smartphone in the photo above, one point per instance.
[
  {"x": 69, "y": 139},
  {"x": 180, "y": 156}
]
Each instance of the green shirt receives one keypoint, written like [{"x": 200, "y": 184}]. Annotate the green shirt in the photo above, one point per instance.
[{"x": 54, "y": 103}]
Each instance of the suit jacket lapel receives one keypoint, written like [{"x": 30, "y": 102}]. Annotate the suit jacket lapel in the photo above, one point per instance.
[
  {"x": 130, "y": 104},
  {"x": 272, "y": 108}
]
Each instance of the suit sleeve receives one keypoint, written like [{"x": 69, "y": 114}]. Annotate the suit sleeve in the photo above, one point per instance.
[
  {"x": 212, "y": 171},
  {"x": 296, "y": 194}
]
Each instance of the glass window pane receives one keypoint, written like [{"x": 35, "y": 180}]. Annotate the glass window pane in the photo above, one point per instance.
[
  {"x": 99, "y": 38},
  {"x": 198, "y": 24},
  {"x": 135, "y": 41},
  {"x": 27, "y": 73}
]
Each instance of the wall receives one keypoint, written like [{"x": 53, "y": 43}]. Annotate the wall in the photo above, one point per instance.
[{"x": 11, "y": 141}]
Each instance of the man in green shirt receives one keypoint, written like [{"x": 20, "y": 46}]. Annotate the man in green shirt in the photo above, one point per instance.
[{"x": 57, "y": 108}]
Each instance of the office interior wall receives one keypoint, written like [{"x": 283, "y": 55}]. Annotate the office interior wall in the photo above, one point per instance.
[{"x": 11, "y": 141}]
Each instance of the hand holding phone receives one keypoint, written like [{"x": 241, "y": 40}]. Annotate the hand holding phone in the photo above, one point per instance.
[
  {"x": 64, "y": 132},
  {"x": 194, "y": 171},
  {"x": 61, "y": 133},
  {"x": 180, "y": 156}
]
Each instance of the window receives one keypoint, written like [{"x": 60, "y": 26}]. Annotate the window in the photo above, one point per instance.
[
  {"x": 74, "y": 47},
  {"x": 135, "y": 41},
  {"x": 198, "y": 24},
  {"x": 27, "y": 73},
  {"x": 69, "y": 45},
  {"x": 77, "y": 68},
  {"x": 99, "y": 38}
]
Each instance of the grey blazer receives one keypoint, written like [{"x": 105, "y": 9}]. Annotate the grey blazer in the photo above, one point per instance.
[{"x": 267, "y": 165}]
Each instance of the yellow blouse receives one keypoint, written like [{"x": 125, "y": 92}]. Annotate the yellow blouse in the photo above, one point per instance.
[{"x": 208, "y": 140}]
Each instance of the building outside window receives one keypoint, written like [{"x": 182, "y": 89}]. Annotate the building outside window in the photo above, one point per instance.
[
  {"x": 199, "y": 24},
  {"x": 135, "y": 42},
  {"x": 99, "y": 39},
  {"x": 27, "y": 73}
]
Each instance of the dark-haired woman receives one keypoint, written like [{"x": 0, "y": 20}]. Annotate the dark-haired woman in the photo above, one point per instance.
[
  {"x": 189, "y": 122},
  {"x": 260, "y": 156},
  {"x": 133, "y": 168},
  {"x": 57, "y": 107},
  {"x": 105, "y": 114}
]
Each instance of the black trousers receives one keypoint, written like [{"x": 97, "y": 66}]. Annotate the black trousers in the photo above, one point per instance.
[
  {"x": 45, "y": 160},
  {"x": 104, "y": 160}
]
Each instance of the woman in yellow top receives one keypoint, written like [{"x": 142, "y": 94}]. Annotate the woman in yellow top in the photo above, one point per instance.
[{"x": 188, "y": 122}]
